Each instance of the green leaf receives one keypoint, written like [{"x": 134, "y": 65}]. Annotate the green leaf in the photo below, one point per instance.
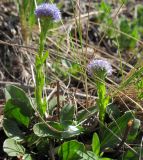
[
  {"x": 18, "y": 106},
  {"x": 72, "y": 131},
  {"x": 116, "y": 130},
  {"x": 31, "y": 139},
  {"x": 17, "y": 111},
  {"x": 74, "y": 69},
  {"x": 106, "y": 7},
  {"x": 42, "y": 130},
  {"x": 86, "y": 113},
  {"x": 67, "y": 115},
  {"x": 84, "y": 156},
  {"x": 12, "y": 148},
  {"x": 16, "y": 93},
  {"x": 96, "y": 144},
  {"x": 38, "y": 61},
  {"x": 68, "y": 150},
  {"x": 45, "y": 56},
  {"x": 27, "y": 157},
  {"x": 52, "y": 105},
  {"x": 92, "y": 155},
  {"x": 12, "y": 130},
  {"x": 113, "y": 111},
  {"x": 124, "y": 25},
  {"x": 88, "y": 155}
]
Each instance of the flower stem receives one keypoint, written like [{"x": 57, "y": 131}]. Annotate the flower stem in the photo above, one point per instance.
[
  {"x": 40, "y": 77},
  {"x": 103, "y": 100}
]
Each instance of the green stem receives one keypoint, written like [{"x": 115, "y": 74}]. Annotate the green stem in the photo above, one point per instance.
[
  {"x": 40, "y": 77},
  {"x": 46, "y": 24},
  {"x": 101, "y": 91}
]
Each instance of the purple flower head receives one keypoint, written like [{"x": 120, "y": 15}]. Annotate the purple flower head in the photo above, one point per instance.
[
  {"x": 48, "y": 10},
  {"x": 99, "y": 66}
]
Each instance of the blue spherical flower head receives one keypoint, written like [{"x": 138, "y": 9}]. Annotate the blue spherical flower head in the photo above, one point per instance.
[
  {"x": 101, "y": 68},
  {"x": 47, "y": 10}
]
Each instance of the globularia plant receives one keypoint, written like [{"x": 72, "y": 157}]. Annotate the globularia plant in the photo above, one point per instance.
[
  {"x": 98, "y": 70},
  {"x": 20, "y": 123},
  {"x": 48, "y": 14}
]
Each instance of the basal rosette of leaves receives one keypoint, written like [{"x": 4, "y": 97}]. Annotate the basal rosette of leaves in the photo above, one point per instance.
[{"x": 25, "y": 128}]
